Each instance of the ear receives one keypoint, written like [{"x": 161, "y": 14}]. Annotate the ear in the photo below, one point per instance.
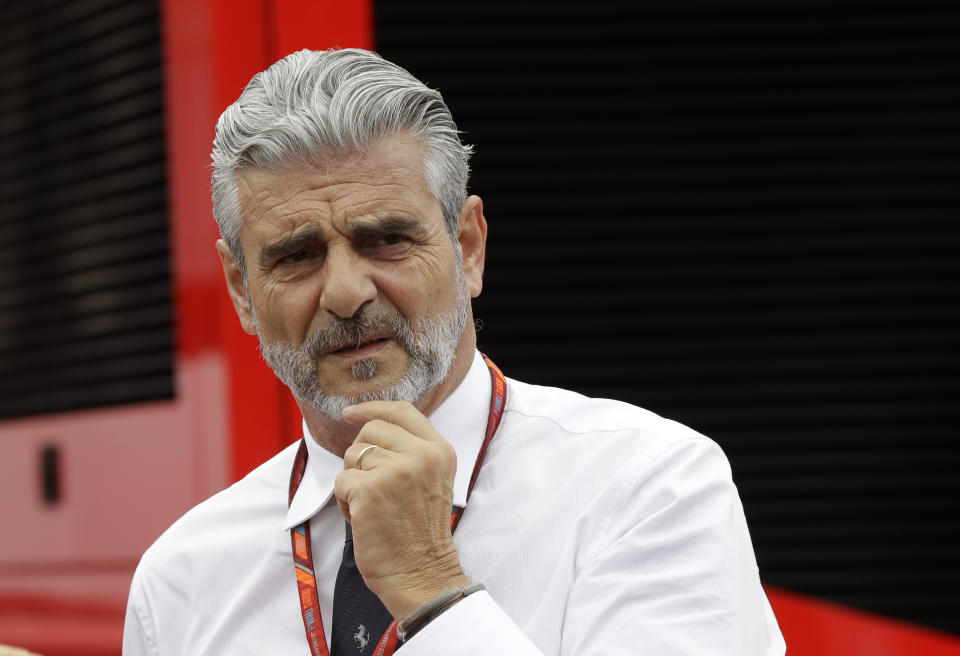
[
  {"x": 472, "y": 236},
  {"x": 238, "y": 293}
]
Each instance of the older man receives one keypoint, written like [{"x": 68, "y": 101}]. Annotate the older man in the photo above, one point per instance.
[{"x": 351, "y": 249}]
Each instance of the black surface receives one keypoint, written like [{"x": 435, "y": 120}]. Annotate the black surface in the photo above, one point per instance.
[
  {"x": 50, "y": 474},
  {"x": 85, "y": 314},
  {"x": 742, "y": 216}
]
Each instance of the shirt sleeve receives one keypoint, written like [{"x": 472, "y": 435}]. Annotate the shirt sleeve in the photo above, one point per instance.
[
  {"x": 475, "y": 625},
  {"x": 674, "y": 573},
  {"x": 139, "y": 636},
  {"x": 670, "y": 573}
]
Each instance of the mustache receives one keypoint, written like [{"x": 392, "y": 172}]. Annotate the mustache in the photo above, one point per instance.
[{"x": 355, "y": 331}]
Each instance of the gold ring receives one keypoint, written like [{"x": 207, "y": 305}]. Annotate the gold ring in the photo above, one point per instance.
[{"x": 363, "y": 453}]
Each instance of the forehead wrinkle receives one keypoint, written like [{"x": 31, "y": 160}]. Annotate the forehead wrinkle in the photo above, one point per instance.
[
  {"x": 356, "y": 208},
  {"x": 261, "y": 194},
  {"x": 291, "y": 211},
  {"x": 360, "y": 184},
  {"x": 387, "y": 153},
  {"x": 337, "y": 200}
]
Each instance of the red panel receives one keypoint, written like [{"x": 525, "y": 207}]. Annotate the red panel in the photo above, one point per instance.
[
  {"x": 818, "y": 628},
  {"x": 322, "y": 24},
  {"x": 234, "y": 50},
  {"x": 80, "y": 629}
]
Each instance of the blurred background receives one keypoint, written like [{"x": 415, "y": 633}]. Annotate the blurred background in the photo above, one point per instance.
[{"x": 740, "y": 215}]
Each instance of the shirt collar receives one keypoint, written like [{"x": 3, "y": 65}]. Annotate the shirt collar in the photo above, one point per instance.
[{"x": 461, "y": 419}]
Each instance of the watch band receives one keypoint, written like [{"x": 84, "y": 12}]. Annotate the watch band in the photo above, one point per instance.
[{"x": 427, "y": 612}]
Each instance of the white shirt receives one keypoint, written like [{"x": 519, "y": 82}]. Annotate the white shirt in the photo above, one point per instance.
[{"x": 597, "y": 528}]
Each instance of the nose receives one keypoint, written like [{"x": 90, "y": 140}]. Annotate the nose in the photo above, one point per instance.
[{"x": 347, "y": 285}]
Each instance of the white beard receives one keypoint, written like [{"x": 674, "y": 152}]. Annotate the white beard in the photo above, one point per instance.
[{"x": 430, "y": 344}]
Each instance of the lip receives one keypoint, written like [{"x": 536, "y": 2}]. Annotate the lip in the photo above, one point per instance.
[{"x": 367, "y": 349}]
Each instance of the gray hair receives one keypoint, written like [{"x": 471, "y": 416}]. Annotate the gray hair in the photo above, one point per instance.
[{"x": 315, "y": 104}]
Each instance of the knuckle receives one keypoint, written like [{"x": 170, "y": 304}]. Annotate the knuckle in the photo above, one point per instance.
[
  {"x": 435, "y": 457},
  {"x": 406, "y": 471},
  {"x": 407, "y": 409},
  {"x": 448, "y": 451},
  {"x": 339, "y": 485},
  {"x": 441, "y": 453},
  {"x": 370, "y": 429}
]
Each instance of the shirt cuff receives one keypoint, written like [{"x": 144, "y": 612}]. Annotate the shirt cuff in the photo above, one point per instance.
[{"x": 476, "y": 625}]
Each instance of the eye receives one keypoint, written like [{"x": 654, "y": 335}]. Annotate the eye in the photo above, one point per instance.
[
  {"x": 295, "y": 257},
  {"x": 392, "y": 239},
  {"x": 388, "y": 244}
]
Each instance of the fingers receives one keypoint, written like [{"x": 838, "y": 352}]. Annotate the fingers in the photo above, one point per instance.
[
  {"x": 388, "y": 438},
  {"x": 384, "y": 434},
  {"x": 399, "y": 413},
  {"x": 364, "y": 451},
  {"x": 395, "y": 427},
  {"x": 365, "y": 456},
  {"x": 344, "y": 486}
]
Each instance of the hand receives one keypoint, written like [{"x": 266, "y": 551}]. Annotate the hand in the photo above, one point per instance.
[
  {"x": 399, "y": 505},
  {"x": 7, "y": 650}
]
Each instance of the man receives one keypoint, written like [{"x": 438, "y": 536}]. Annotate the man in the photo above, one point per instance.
[{"x": 351, "y": 249}]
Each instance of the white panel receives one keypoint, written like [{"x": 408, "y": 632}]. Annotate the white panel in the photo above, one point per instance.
[{"x": 127, "y": 473}]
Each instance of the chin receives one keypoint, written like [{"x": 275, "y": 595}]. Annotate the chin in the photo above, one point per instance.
[{"x": 358, "y": 387}]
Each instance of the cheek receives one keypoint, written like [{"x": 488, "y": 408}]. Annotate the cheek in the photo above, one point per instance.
[
  {"x": 420, "y": 287},
  {"x": 289, "y": 309}
]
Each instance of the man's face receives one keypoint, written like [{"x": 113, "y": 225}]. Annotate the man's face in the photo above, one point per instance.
[{"x": 353, "y": 282}]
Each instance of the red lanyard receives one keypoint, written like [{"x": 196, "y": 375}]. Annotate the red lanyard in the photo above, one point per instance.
[{"x": 300, "y": 535}]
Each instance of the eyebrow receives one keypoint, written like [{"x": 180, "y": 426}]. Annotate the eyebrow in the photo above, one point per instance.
[
  {"x": 359, "y": 231},
  {"x": 384, "y": 226},
  {"x": 290, "y": 244}
]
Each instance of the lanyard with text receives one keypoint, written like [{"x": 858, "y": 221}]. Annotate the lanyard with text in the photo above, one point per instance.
[{"x": 300, "y": 535}]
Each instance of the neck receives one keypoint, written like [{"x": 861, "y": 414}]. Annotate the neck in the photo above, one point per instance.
[{"x": 336, "y": 435}]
